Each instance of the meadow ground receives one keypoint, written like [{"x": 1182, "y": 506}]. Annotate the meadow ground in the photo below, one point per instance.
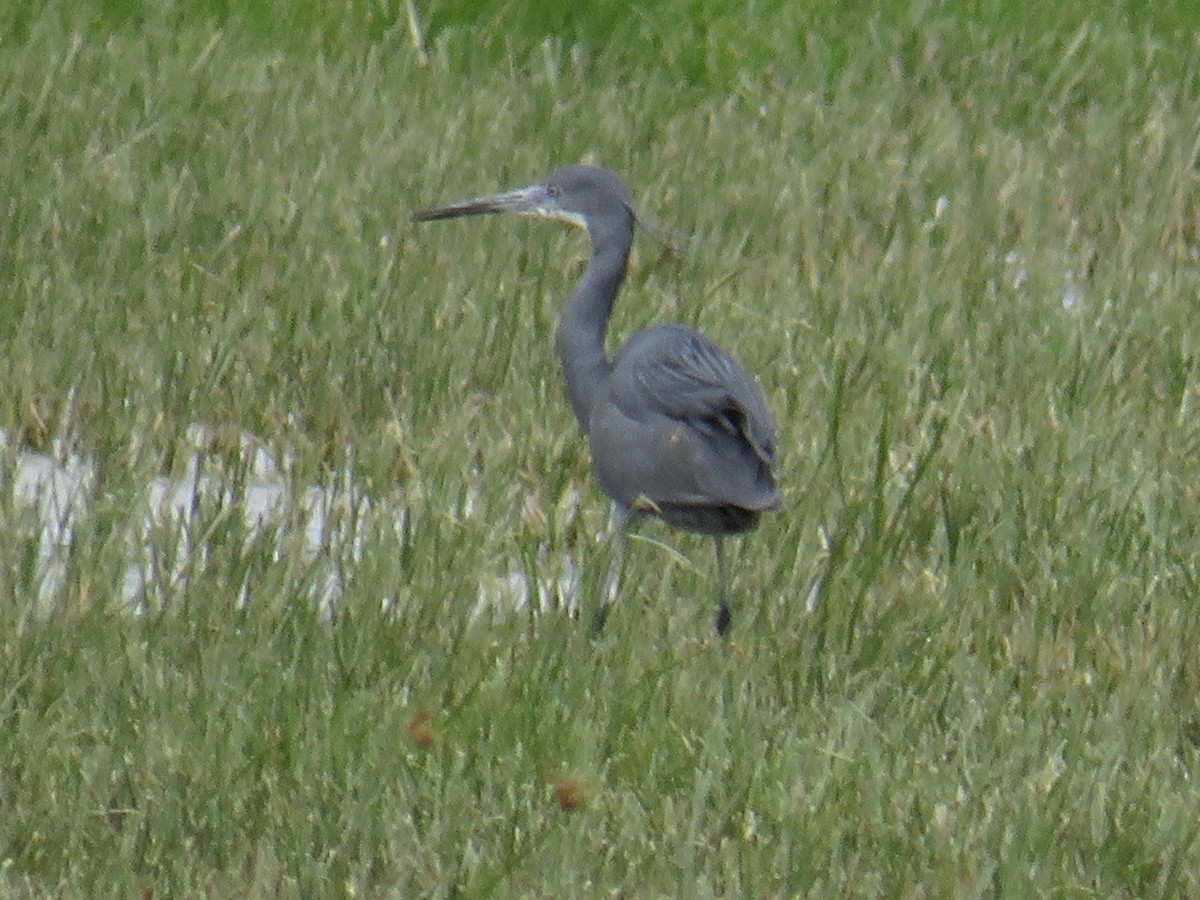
[{"x": 962, "y": 253}]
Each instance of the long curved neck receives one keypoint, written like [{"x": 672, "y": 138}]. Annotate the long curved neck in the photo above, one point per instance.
[{"x": 584, "y": 322}]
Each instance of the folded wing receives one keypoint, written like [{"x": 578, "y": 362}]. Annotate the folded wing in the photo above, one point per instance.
[{"x": 684, "y": 425}]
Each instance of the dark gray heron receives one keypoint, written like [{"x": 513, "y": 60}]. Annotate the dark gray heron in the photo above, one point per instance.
[{"x": 677, "y": 428}]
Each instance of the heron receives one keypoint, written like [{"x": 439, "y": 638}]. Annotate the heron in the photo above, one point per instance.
[{"x": 678, "y": 429}]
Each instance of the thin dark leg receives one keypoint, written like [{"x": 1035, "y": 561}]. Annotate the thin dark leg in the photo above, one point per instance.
[
  {"x": 601, "y": 618},
  {"x": 724, "y": 615},
  {"x": 612, "y": 583}
]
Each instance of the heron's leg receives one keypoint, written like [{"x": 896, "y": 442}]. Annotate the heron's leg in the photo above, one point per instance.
[
  {"x": 724, "y": 616},
  {"x": 612, "y": 583}
]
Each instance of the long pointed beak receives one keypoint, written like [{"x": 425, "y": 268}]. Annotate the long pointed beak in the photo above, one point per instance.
[{"x": 531, "y": 201}]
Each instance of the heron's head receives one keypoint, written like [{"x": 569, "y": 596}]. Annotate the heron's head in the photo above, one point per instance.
[{"x": 582, "y": 196}]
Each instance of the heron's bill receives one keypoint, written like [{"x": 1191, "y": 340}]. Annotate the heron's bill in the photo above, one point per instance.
[{"x": 535, "y": 200}]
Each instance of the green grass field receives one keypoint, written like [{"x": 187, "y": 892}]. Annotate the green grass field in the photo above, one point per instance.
[{"x": 959, "y": 246}]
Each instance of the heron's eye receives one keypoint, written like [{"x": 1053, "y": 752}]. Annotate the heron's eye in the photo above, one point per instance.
[{"x": 552, "y": 191}]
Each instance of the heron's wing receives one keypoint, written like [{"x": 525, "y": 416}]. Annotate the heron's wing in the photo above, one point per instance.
[{"x": 680, "y": 373}]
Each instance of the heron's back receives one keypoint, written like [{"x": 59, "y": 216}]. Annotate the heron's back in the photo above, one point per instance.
[{"x": 683, "y": 430}]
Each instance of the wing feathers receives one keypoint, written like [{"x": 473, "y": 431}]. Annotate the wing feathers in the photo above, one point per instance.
[{"x": 680, "y": 373}]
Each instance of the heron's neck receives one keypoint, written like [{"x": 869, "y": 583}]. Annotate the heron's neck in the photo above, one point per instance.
[{"x": 584, "y": 323}]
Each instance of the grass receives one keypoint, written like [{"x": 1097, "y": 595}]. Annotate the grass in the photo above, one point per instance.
[{"x": 963, "y": 659}]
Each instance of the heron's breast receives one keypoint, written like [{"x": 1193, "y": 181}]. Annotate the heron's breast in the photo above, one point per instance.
[{"x": 638, "y": 456}]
